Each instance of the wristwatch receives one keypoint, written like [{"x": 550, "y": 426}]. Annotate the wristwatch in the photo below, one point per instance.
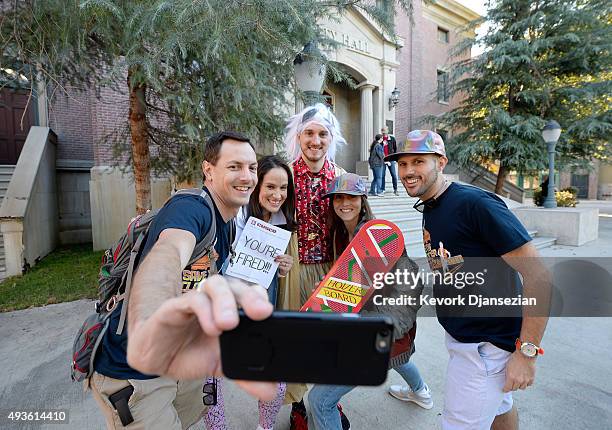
[{"x": 528, "y": 349}]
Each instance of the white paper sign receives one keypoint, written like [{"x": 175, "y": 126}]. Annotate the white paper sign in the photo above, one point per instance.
[{"x": 254, "y": 255}]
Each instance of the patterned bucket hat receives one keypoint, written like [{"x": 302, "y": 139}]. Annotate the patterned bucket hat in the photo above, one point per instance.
[
  {"x": 419, "y": 142},
  {"x": 348, "y": 183}
]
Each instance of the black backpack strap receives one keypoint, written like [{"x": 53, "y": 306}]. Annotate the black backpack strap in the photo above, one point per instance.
[
  {"x": 128, "y": 282},
  {"x": 207, "y": 245},
  {"x": 203, "y": 247}
]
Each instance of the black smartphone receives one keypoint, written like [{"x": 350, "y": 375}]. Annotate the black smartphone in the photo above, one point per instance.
[{"x": 318, "y": 348}]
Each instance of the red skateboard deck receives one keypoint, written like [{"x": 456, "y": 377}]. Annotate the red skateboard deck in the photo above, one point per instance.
[{"x": 349, "y": 284}]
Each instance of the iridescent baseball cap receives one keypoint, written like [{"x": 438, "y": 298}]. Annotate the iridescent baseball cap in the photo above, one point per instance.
[
  {"x": 348, "y": 183},
  {"x": 419, "y": 142}
]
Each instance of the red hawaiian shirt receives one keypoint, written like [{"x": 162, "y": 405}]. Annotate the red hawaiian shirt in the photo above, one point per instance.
[{"x": 314, "y": 241}]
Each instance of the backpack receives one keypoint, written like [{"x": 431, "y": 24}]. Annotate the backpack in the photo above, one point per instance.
[
  {"x": 115, "y": 282},
  {"x": 375, "y": 160}
]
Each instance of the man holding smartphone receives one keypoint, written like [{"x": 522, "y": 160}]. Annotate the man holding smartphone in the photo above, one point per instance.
[
  {"x": 174, "y": 334},
  {"x": 490, "y": 355}
]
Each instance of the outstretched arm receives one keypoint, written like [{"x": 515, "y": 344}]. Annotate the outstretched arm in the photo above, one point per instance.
[{"x": 177, "y": 335}]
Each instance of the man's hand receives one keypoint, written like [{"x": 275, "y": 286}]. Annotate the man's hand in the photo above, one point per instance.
[
  {"x": 181, "y": 338},
  {"x": 285, "y": 262},
  {"x": 520, "y": 372}
]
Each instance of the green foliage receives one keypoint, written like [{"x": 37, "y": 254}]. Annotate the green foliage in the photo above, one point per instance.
[
  {"x": 542, "y": 60},
  {"x": 69, "y": 273},
  {"x": 206, "y": 64}
]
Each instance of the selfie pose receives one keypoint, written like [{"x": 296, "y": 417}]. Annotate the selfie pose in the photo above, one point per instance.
[
  {"x": 272, "y": 201},
  {"x": 350, "y": 212},
  {"x": 160, "y": 319}
]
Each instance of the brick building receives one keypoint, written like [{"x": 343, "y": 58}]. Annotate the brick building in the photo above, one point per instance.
[{"x": 89, "y": 189}]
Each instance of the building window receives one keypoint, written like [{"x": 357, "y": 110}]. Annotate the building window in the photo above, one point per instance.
[
  {"x": 442, "y": 86},
  {"x": 442, "y": 35},
  {"x": 389, "y": 124}
]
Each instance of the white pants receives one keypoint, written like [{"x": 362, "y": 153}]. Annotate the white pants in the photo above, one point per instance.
[{"x": 475, "y": 377}]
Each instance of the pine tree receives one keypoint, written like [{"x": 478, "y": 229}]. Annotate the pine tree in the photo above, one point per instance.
[
  {"x": 544, "y": 59},
  {"x": 192, "y": 67}
]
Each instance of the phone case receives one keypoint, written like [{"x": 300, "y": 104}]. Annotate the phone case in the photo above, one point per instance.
[{"x": 321, "y": 348}]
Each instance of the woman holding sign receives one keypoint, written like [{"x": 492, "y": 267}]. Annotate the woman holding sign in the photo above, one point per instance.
[
  {"x": 272, "y": 201},
  {"x": 350, "y": 212}
]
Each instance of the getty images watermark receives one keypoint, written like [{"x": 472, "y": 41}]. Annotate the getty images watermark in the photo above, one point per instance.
[{"x": 458, "y": 280}]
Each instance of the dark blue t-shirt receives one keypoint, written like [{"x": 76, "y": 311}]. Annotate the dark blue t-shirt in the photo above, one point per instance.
[
  {"x": 471, "y": 223},
  {"x": 184, "y": 212}
]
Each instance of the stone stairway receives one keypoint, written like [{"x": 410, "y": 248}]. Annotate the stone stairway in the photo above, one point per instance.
[
  {"x": 399, "y": 210},
  {"x": 6, "y": 172}
]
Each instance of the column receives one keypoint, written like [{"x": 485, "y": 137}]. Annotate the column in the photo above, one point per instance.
[
  {"x": 367, "y": 130},
  {"x": 299, "y": 104}
]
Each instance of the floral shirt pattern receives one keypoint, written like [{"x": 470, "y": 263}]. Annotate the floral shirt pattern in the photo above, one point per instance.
[{"x": 314, "y": 239}]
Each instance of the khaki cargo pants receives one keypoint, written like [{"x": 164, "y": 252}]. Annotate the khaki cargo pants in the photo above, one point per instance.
[{"x": 158, "y": 403}]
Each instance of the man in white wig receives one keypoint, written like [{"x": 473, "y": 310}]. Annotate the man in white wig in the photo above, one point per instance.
[{"x": 312, "y": 138}]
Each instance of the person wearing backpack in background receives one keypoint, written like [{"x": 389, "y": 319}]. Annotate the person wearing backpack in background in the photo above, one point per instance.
[
  {"x": 377, "y": 164},
  {"x": 176, "y": 334}
]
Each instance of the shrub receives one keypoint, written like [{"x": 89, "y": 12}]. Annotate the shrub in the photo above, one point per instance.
[{"x": 565, "y": 198}]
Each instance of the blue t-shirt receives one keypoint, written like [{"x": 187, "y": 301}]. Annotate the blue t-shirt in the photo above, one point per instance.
[
  {"x": 184, "y": 212},
  {"x": 475, "y": 228}
]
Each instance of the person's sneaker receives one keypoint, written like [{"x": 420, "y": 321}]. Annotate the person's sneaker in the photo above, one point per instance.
[
  {"x": 346, "y": 425},
  {"x": 404, "y": 393},
  {"x": 396, "y": 193},
  {"x": 380, "y": 194},
  {"x": 298, "y": 420}
]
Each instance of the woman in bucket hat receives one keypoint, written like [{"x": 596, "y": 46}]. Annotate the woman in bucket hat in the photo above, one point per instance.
[{"x": 350, "y": 212}]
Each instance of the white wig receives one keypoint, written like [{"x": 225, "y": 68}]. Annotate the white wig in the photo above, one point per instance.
[{"x": 320, "y": 114}]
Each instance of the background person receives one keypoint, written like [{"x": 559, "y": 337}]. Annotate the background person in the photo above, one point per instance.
[
  {"x": 350, "y": 212},
  {"x": 377, "y": 164},
  {"x": 389, "y": 147}
]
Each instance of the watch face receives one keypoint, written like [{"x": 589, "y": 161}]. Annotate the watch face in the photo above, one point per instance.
[{"x": 529, "y": 349}]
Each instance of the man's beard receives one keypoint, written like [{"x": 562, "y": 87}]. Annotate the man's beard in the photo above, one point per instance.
[{"x": 430, "y": 180}]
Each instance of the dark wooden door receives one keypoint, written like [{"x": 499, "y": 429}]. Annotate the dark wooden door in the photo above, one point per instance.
[
  {"x": 14, "y": 125},
  {"x": 582, "y": 183}
]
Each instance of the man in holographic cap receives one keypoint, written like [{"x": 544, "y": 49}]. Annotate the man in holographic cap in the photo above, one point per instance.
[
  {"x": 491, "y": 354},
  {"x": 312, "y": 138}
]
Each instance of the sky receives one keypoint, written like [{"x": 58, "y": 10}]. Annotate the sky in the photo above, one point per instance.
[{"x": 477, "y": 6}]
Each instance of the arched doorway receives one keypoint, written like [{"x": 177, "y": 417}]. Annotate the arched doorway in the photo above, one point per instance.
[{"x": 345, "y": 101}]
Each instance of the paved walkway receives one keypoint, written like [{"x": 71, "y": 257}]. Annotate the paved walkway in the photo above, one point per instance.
[{"x": 572, "y": 390}]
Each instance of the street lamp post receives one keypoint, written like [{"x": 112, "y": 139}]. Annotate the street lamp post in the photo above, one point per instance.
[
  {"x": 309, "y": 73},
  {"x": 550, "y": 134}
]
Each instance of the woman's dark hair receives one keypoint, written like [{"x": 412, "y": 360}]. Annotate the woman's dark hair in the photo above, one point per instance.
[
  {"x": 376, "y": 139},
  {"x": 264, "y": 165},
  {"x": 337, "y": 229}
]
